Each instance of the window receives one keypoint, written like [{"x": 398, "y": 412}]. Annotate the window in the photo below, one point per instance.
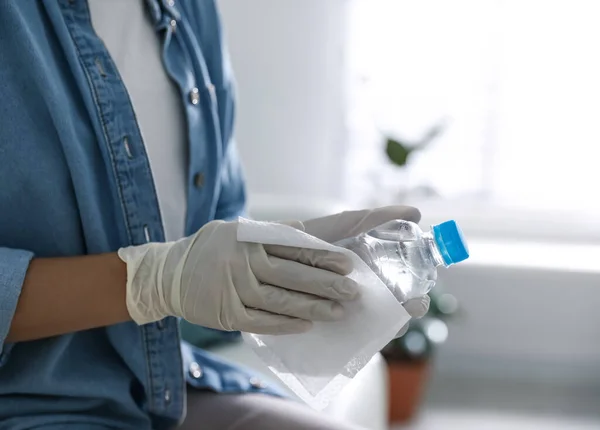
[{"x": 518, "y": 84}]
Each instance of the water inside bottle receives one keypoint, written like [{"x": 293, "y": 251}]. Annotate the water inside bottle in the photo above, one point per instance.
[{"x": 401, "y": 258}]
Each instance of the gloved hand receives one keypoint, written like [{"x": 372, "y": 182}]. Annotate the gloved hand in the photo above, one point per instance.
[
  {"x": 213, "y": 280},
  {"x": 334, "y": 228}
]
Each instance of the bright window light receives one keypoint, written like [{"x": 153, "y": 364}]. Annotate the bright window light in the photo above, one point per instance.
[{"x": 517, "y": 80}]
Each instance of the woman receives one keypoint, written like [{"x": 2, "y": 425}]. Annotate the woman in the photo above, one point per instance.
[{"x": 116, "y": 135}]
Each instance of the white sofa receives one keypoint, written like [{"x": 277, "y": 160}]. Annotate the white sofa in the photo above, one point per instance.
[{"x": 363, "y": 402}]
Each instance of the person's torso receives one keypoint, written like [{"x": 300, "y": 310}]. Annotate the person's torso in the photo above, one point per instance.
[{"x": 76, "y": 180}]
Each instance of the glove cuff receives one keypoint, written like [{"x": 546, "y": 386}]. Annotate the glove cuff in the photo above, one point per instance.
[{"x": 145, "y": 296}]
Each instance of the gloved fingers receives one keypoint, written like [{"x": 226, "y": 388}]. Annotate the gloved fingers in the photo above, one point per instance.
[
  {"x": 296, "y": 276},
  {"x": 327, "y": 260},
  {"x": 294, "y": 304},
  {"x": 347, "y": 224},
  {"x": 261, "y": 322},
  {"x": 417, "y": 307}
]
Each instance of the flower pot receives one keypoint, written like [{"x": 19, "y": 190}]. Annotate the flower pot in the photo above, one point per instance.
[{"x": 407, "y": 381}]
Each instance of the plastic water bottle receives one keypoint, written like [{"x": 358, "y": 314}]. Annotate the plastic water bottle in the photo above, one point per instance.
[{"x": 405, "y": 258}]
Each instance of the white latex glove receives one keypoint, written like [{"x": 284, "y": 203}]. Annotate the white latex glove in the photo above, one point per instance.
[
  {"x": 334, "y": 228},
  {"x": 211, "y": 279}
]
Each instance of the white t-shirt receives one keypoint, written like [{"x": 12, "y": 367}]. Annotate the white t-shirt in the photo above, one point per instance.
[{"x": 136, "y": 50}]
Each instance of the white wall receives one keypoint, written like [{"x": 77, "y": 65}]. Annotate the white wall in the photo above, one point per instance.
[{"x": 289, "y": 61}]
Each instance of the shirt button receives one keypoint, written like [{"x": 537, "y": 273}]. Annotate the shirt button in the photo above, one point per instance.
[
  {"x": 173, "y": 25},
  {"x": 194, "y": 96},
  {"x": 199, "y": 180},
  {"x": 257, "y": 383},
  {"x": 171, "y": 3},
  {"x": 167, "y": 396},
  {"x": 195, "y": 370}
]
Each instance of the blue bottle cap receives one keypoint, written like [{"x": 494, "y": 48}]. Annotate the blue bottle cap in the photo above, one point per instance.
[{"x": 451, "y": 242}]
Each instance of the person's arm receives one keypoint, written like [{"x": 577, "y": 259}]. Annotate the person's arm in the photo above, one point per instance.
[
  {"x": 208, "y": 278},
  {"x": 64, "y": 295}
]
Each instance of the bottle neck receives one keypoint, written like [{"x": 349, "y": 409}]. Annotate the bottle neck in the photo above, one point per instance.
[{"x": 434, "y": 251}]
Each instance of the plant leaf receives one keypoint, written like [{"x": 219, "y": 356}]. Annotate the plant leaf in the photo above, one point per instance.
[{"x": 397, "y": 152}]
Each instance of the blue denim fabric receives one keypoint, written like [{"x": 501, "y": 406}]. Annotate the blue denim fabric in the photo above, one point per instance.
[{"x": 76, "y": 180}]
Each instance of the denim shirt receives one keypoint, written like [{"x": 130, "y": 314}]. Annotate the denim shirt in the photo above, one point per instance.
[{"x": 76, "y": 180}]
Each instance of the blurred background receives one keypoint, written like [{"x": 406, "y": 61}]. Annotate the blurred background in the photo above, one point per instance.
[{"x": 484, "y": 111}]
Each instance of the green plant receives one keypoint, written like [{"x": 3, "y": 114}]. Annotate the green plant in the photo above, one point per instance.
[
  {"x": 399, "y": 150},
  {"x": 424, "y": 334}
]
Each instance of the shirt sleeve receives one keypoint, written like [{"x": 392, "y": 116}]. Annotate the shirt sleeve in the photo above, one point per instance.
[{"x": 13, "y": 267}]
